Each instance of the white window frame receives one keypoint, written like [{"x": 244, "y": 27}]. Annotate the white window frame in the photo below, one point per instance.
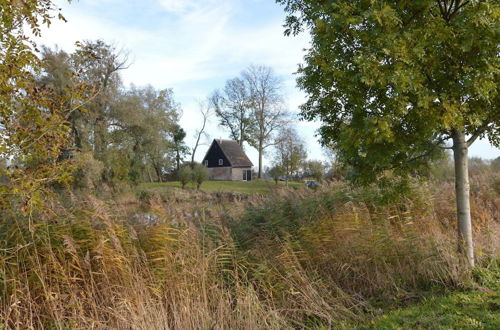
[
  {"x": 206, "y": 162},
  {"x": 221, "y": 161}
]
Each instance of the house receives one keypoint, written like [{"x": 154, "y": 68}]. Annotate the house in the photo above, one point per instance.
[{"x": 226, "y": 160}]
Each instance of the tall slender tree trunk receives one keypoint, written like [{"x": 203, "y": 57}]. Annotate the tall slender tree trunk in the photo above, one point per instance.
[
  {"x": 261, "y": 151},
  {"x": 460, "y": 150},
  {"x": 178, "y": 160},
  {"x": 150, "y": 177}
]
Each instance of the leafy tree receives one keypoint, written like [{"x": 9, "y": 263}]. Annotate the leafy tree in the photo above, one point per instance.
[
  {"x": 314, "y": 168},
  {"x": 131, "y": 131},
  {"x": 185, "y": 175},
  {"x": 144, "y": 122},
  {"x": 33, "y": 121},
  {"x": 276, "y": 172},
  {"x": 200, "y": 175},
  {"x": 267, "y": 106},
  {"x": 179, "y": 145},
  {"x": 233, "y": 107},
  {"x": 58, "y": 75},
  {"x": 393, "y": 81},
  {"x": 98, "y": 65}
]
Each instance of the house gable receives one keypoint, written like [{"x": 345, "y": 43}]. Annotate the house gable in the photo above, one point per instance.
[{"x": 214, "y": 154}]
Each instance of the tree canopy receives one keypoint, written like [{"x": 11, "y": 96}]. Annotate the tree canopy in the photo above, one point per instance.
[{"x": 392, "y": 81}]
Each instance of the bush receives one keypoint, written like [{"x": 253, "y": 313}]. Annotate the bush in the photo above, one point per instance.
[
  {"x": 276, "y": 172},
  {"x": 89, "y": 171},
  {"x": 185, "y": 175},
  {"x": 315, "y": 169},
  {"x": 200, "y": 174},
  {"x": 145, "y": 196}
]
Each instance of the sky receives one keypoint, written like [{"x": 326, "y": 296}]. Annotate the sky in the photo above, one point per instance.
[{"x": 193, "y": 47}]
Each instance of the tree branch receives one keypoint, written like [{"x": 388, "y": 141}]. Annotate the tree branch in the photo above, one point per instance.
[{"x": 478, "y": 133}]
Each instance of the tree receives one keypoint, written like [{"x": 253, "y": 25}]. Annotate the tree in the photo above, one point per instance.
[
  {"x": 185, "y": 175},
  {"x": 34, "y": 132},
  {"x": 233, "y": 107},
  {"x": 394, "y": 81},
  {"x": 58, "y": 75},
  {"x": 98, "y": 64},
  {"x": 200, "y": 174},
  {"x": 132, "y": 132},
  {"x": 314, "y": 168},
  {"x": 276, "y": 172},
  {"x": 144, "y": 122},
  {"x": 180, "y": 147},
  {"x": 205, "y": 111},
  {"x": 290, "y": 151},
  {"x": 267, "y": 107}
]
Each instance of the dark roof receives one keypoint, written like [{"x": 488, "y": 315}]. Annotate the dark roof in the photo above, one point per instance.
[{"x": 234, "y": 153}]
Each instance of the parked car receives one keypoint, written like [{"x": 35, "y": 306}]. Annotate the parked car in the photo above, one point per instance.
[{"x": 312, "y": 184}]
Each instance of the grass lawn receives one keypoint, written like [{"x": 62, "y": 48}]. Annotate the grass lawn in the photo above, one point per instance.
[
  {"x": 464, "y": 310},
  {"x": 246, "y": 187}
]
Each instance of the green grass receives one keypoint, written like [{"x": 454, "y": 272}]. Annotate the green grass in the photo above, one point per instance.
[
  {"x": 245, "y": 187},
  {"x": 464, "y": 310}
]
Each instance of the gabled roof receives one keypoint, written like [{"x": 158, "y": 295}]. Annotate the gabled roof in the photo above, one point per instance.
[{"x": 234, "y": 153}]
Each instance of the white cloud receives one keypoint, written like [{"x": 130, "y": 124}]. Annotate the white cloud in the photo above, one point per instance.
[{"x": 177, "y": 6}]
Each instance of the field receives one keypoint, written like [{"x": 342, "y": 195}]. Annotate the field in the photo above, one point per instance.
[{"x": 244, "y": 187}]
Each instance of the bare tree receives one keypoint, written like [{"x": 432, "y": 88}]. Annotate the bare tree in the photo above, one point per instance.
[
  {"x": 206, "y": 111},
  {"x": 267, "y": 106},
  {"x": 290, "y": 151}
]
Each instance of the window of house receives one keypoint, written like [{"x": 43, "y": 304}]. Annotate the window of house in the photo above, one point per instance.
[
  {"x": 206, "y": 162},
  {"x": 221, "y": 161}
]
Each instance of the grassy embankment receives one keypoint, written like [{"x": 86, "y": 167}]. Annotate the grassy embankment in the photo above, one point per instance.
[
  {"x": 473, "y": 309},
  {"x": 244, "y": 187}
]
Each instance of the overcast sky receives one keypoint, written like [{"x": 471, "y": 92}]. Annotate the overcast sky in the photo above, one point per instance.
[{"x": 193, "y": 47}]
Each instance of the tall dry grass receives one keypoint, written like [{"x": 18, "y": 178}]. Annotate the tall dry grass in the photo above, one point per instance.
[{"x": 297, "y": 259}]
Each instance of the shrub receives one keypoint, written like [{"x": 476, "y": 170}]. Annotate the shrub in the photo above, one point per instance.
[
  {"x": 185, "y": 175},
  {"x": 144, "y": 196},
  {"x": 89, "y": 171},
  {"x": 200, "y": 174},
  {"x": 276, "y": 172}
]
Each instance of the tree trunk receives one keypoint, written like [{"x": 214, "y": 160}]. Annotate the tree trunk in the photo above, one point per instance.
[
  {"x": 158, "y": 172},
  {"x": 149, "y": 174},
  {"x": 261, "y": 151},
  {"x": 460, "y": 149}
]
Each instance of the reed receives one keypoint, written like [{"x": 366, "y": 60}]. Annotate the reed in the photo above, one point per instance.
[{"x": 294, "y": 259}]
